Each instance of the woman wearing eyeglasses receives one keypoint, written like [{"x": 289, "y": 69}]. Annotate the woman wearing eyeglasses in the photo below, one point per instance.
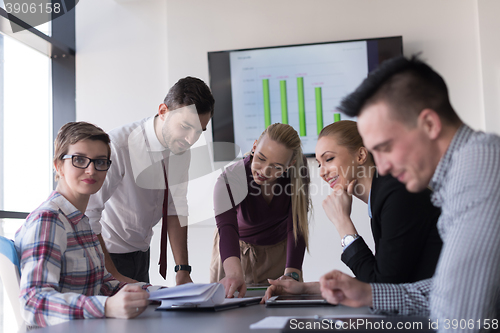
[{"x": 62, "y": 265}]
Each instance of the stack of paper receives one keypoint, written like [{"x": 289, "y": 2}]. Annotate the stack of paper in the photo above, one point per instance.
[{"x": 189, "y": 295}]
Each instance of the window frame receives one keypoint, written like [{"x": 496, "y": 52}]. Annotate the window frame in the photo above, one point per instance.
[{"x": 60, "y": 48}]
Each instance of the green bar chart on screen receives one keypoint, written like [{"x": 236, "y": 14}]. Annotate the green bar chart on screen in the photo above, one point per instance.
[
  {"x": 267, "y": 102},
  {"x": 284, "y": 102},
  {"x": 319, "y": 109},
  {"x": 302, "y": 106},
  {"x": 304, "y": 96}
]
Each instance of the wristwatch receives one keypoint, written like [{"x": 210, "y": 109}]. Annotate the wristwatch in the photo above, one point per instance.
[
  {"x": 182, "y": 268},
  {"x": 293, "y": 275},
  {"x": 348, "y": 239}
]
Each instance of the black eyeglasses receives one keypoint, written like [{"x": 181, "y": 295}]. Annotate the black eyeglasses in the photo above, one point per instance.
[{"x": 82, "y": 162}]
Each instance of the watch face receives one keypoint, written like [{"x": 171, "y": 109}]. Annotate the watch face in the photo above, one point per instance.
[{"x": 348, "y": 239}]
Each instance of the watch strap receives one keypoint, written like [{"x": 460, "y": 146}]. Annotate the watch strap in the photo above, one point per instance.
[
  {"x": 293, "y": 275},
  {"x": 182, "y": 268}
]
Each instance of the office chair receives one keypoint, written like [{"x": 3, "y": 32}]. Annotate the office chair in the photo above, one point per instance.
[{"x": 10, "y": 273}]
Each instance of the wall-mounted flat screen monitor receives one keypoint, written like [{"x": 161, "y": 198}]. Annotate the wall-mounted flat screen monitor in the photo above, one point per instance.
[{"x": 300, "y": 85}]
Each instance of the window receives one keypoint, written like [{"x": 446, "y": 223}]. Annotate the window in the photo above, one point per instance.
[
  {"x": 26, "y": 126},
  {"x": 37, "y": 96}
]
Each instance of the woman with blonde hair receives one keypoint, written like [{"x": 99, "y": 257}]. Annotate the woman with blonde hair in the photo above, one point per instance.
[
  {"x": 62, "y": 265},
  {"x": 407, "y": 243},
  {"x": 261, "y": 207}
]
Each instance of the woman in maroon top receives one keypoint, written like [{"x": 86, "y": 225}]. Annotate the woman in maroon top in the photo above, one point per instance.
[{"x": 261, "y": 206}]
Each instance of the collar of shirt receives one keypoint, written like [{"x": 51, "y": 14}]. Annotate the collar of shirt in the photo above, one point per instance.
[
  {"x": 370, "y": 204},
  {"x": 461, "y": 137},
  {"x": 375, "y": 176},
  {"x": 70, "y": 212},
  {"x": 154, "y": 143}
]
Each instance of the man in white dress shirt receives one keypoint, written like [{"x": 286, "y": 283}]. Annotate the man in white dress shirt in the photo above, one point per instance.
[{"x": 132, "y": 199}]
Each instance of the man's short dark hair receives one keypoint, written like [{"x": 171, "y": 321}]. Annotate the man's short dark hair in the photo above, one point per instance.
[
  {"x": 188, "y": 91},
  {"x": 408, "y": 86}
]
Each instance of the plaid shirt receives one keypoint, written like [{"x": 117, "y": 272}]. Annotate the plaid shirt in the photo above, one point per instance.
[
  {"x": 62, "y": 266},
  {"x": 466, "y": 285}
]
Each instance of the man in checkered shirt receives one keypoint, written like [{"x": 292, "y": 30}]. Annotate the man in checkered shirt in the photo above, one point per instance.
[{"x": 407, "y": 122}]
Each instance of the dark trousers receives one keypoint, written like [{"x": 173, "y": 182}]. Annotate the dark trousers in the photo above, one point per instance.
[{"x": 134, "y": 265}]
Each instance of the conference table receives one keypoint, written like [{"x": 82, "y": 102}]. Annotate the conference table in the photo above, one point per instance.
[{"x": 228, "y": 321}]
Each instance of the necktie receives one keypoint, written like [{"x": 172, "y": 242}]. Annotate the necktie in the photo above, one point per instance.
[{"x": 163, "y": 244}]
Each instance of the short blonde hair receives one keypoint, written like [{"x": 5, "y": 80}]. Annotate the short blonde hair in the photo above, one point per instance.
[{"x": 73, "y": 132}]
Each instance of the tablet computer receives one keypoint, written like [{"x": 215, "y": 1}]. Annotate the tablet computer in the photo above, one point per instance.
[{"x": 297, "y": 300}]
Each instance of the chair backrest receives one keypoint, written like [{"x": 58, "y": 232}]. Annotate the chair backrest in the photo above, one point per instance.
[{"x": 10, "y": 273}]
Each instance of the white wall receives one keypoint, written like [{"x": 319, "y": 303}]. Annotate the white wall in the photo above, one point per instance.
[
  {"x": 130, "y": 53},
  {"x": 489, "y": 26},
  {"x": 121, "y": 67},
  {"x": 445, "y": 31}
]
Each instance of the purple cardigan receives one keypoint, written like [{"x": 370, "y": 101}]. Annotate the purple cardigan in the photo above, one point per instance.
[{"x": 250, "y": 218}]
